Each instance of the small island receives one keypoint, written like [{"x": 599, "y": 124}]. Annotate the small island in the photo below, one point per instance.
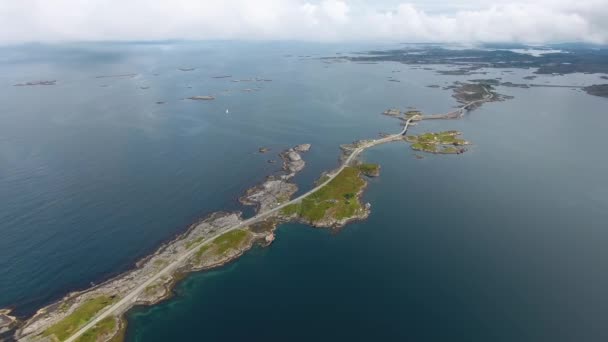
[
  {"x": 438, "y": 143},
  {"x": 35, "y": 83},
  {"x": 338, "y": 202},
  {"x": 597, "y": 90},
  {"x": 202, "y": 98},
  {"x": 117, "y": 76}
]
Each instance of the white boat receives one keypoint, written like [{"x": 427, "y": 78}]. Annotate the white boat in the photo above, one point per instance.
[{"x": 227, "y": 111}]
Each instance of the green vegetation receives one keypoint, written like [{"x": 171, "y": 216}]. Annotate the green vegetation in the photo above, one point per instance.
[
  {"x": 370, "y": 170},
  {"x": 291, "y": 209},
  {"x": 228, "y": 241},
  {"x": 337, "y": 200},
  {"x": 231, "y": 240},
  {"x": 83, "y": 314},
  {"x": 264, "y": 226},
  {"x": 410, "y": 113},
  {"x": 160, "y": 263},
  {"x": 442, "y": 142},
  {"x": 202, "y": 251},
  {"x": 103, "y": 328}
]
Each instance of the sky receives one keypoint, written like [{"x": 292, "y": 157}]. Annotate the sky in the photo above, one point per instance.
[{"x": 462, "y": 21}]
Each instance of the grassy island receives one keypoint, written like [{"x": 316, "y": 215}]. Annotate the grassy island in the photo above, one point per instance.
[
  {"x": 81, "y": 316},
  {"x": 335, "y": 202},
  {"x": 443, "y": 142}
]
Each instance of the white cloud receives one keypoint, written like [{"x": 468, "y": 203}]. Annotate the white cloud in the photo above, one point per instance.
[{"x": 461, "y": 21}]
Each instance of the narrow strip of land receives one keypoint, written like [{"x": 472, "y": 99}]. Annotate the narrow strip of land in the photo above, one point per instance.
[{"x": 132, "y": 296}]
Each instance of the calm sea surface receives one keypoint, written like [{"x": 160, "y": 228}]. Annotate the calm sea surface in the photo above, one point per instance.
[{"x": 507, "y": 242}]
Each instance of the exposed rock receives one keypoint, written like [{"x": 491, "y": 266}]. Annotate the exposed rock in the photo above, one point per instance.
[
  {"x": 6, "y": 321},
  {"x": 145, "y": 269},
  {"x": 35, "y": 83},
  {"x": 277, "y": 189},
  {"x": 269, "y": 238},
  {"x": 269, "y": 194},
  {"x": 302, "y": 148},
  {"x": 392, "y": 112},
  {"x": 118, "y": 76},
  {"x": 202, "y": 98}
]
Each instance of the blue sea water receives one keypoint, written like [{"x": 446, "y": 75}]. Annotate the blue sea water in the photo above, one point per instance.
[{"x": 506, "y": 242}]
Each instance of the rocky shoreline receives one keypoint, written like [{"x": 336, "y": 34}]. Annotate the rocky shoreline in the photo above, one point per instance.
[
  {"x": 224, "y": 245},
  {"x": 215, "y": 240}
]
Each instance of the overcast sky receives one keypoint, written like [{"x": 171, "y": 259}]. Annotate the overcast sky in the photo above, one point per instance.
[{"x": 531, "y": 21}]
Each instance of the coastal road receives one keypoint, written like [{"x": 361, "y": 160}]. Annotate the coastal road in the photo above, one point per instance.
[{"x": 131, "y": 297}]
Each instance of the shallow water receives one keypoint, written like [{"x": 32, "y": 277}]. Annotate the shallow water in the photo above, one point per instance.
[{"x": 503, "y": 243}]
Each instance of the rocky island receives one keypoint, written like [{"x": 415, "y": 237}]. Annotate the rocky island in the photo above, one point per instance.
[
  {"x": 202, "y": 98},
  {"x": 215, "y": 240},
  {"x": 117, "y": 76},
  {"x": 440, "y": 143},
  {"x": 35, "y": 83},
  {"x": 597, "y": 90}
]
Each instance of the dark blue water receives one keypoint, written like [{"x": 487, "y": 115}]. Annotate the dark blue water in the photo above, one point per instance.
[{"x": 504, "y": 243}]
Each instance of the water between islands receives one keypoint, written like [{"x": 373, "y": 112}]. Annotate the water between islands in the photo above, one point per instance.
[{"x": 506, "y": 242}]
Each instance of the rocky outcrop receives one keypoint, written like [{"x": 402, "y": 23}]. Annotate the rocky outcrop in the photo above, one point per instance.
[
  {"x": 202, "y": 98},
  {"x": 277, "y": 189}
]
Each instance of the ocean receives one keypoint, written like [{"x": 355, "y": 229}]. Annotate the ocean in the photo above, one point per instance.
[{"x": 505, "y": 242}]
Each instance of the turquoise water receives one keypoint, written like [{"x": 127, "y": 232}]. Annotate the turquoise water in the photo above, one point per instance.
[{"x": 506, "y": 242}]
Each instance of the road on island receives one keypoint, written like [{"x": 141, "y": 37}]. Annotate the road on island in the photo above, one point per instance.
[{"x": 132, "y": 296}]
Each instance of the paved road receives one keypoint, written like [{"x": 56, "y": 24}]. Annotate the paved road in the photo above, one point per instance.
[{"x": 132, "y": 296}]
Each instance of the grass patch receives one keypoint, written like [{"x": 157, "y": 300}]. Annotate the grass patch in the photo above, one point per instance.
[
  {"x": 81, "y": 316},
  {"x": 223, "y": 243},
  {"x": 368, "y": 169},
  {"x": 160, "y": 263},
  {"x": 202, "y": 251},
  {"x": 263, "y": 226},
  {"x": 105, "y": 327},
  {"x": 291, "y": 209},
  {"x": 230, "y": 240},
  {"x": 337, "y": 200},
  {"x": 442, "y": 142}
]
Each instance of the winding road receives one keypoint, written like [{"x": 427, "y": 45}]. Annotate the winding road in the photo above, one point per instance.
[{"x": 131, "y": 297}]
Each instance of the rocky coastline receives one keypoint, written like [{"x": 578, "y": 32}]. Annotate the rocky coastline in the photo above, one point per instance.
[{"x": 211, "y": 242}]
